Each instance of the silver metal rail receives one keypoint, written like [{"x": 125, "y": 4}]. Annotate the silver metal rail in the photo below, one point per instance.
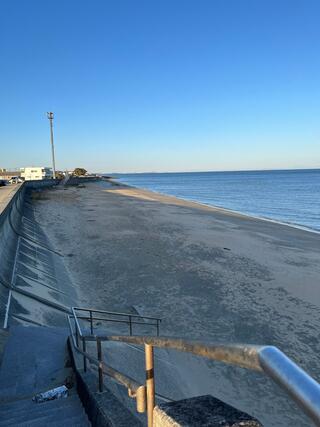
[
  {"x": 6, "y": 317},
  {"x": 303, "y": 389},
  {"x": 116, "y": 317}
]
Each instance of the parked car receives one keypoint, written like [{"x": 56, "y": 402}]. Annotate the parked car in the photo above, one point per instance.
[
  {"x": 15, "y": 180},
  {"x": 3, "y": 182}
]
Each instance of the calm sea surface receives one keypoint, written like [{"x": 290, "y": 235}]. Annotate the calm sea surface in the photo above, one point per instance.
[{"x": 291, "y": 196}]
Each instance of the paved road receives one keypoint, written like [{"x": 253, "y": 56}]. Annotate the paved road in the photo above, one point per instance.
[{"x": 6, "y": 194}]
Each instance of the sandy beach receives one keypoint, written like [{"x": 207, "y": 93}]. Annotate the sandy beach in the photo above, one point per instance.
[{"x": 209, "y": 273}]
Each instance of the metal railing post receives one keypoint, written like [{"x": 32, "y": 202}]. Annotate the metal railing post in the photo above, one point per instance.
[
  {"x": 6, "y": 318},
  {"x": 91, "y": 323},
  {"x": 150, "y": 382},
  {"x": 302, "y": 388},
  {"x": 100, "y": 372},
  {"x": 84, "y": 357},
  {"x": 76, "y": 329},
  {"x": 130, "y": 325}
]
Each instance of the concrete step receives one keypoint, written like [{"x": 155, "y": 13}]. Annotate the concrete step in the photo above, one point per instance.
[
  {"x": 77, "y": 421},
  {"x": 27, "y": 411},
  {"x": 39, "y": 408},
  {"x": 44, "y": 418},
  {"x": 72, "y": 422},
  {"x": 61, "y": 413},
  {"x": 28, "y": 404}
]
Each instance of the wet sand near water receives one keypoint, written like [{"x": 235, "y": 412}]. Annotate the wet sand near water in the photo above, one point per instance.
[{"x": 210, "y": 274}]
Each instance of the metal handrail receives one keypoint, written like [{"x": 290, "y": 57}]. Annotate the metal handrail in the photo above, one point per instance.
[
  {"x": 245, "y": 356},
  {"x": 118, "y": 313},
  {"x": 301, "y": 387},
  {"x": 135, "y": 390},
  {"x": 6, "y": 317},
  {"x": 129, "y": 317},
  {"x": 78, "y": 328},
  {"x": 115, "y": 320}
]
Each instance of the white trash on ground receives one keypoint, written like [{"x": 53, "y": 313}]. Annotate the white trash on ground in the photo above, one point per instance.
[{"x": 56, "y": 393}]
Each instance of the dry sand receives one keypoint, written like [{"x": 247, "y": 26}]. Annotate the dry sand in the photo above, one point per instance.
[{"x": 208, "y": 273}]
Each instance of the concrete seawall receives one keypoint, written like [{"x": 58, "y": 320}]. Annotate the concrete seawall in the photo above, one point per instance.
[
  {"x": 34, "y": 284},
  {"x": 8, "y": 246}
]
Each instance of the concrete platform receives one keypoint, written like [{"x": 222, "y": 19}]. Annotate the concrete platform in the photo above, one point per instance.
[{"x": 202, "y": 411}]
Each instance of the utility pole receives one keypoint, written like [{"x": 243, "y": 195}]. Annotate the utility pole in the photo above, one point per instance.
[{"x": 50, "y": 117}]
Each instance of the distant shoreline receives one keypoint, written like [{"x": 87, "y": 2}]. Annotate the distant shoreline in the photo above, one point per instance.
[{"x": 214, "y": 171}]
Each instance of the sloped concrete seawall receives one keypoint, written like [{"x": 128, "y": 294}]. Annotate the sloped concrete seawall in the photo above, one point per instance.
[
  {"x": 34, "y": 285},
  {"x": 8, "y": 245},
  {"x": 8, "y": 238}
]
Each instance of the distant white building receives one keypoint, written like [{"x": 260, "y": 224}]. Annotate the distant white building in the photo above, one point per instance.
[{"x": 36, "y": 172}]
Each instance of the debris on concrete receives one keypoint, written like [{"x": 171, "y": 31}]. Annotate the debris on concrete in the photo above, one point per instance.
[{"x": 56, "y": 393}]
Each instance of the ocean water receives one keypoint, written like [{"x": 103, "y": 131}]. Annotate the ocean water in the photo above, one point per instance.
[{"x": 289, "y": 196}]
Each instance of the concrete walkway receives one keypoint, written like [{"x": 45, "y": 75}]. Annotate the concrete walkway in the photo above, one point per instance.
[{"x": 6, "y": 194}]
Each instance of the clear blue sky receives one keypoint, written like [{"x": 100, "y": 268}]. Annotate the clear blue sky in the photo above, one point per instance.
[{"x": 166, "y": 85}]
